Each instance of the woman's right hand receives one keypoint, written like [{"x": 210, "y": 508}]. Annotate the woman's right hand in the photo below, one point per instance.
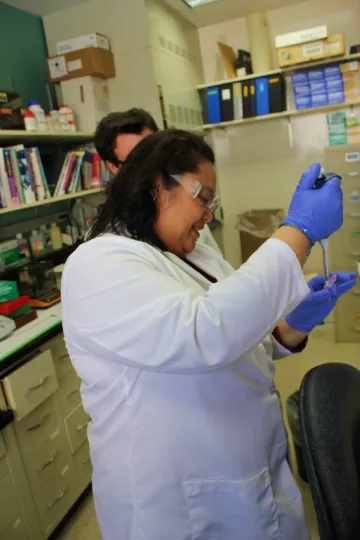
[{"x": 318, "y": 213}]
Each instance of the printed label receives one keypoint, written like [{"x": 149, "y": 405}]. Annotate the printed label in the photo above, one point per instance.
[
  {"x": 354, "y": 196},
  {"x": 314, "y": 48},
  {"x": 352, "y": 156},
  {"x": 226, "y": 94},
  {"x": 74, "y": 65},
  {"x": 57, "y": 67},
  {"x": 55, "y": 434}
]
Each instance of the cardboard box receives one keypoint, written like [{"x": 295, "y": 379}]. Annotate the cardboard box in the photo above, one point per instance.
[
  {"x": 300, "y": 78},
  {"x": 337, "y": 128},
  {"x": 303, "y": 36},
  {"x": 334, "y": 85},
  {"x": 302, "y": 90},
  {"x": 332, "y": 72},
  {"x": 319, "y": 100},
  {"x": 351, "y": 76},
  {"x": 352, "y": 96},
  {"x": 88, "y": 98},
  {"x": 302, "y": 102},
  {"x": 317, "y": 87},
  {"x": 83, "y": 42},
  {"x": 316, "y": 75},
  {"x": 336, "y": 97},
  {"x": 352, "y": 84},
  {"x": 349, "y": 66},
  {"x": 86, "y": 62},
  {"x": 315, "y": 50}
]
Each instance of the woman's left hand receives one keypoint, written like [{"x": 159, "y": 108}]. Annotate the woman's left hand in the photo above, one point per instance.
[{"x": 321, "y": 300}]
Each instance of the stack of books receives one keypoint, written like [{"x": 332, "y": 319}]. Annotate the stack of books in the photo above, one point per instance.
[{"x": 26, "y": 177}]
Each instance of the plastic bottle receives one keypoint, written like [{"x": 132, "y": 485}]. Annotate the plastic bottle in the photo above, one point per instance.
[
  {"x": 55, "y": 237},
  {"x": 72, "y": 125},
  {"x": 67, "y": 112},
  {"x": 30, "y": 120},
  {"x": 36, "y": 243},
  {"x": 23, "y": 246},
  {"x": 44, "y": 231},
  {"x": 55, "y": 120},
  {"x": 49, "y": 122},
  {"x": 39, "y": 114}
]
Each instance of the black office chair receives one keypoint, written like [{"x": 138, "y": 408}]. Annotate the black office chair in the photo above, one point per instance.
[{"x": 330, "y": 435}]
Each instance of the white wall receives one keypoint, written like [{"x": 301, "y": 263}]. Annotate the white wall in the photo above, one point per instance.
[
  {"x": 175, "y": 50},
  {"x": 134, "y": 84},
  {"x": 256, "y": 166}
]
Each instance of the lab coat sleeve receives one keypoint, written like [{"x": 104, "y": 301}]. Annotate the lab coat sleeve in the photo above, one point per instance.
[
  {"x": 124, "y": 309},
  {"x": 276, "y": 350}
]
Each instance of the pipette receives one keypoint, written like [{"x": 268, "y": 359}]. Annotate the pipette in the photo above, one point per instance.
[{"x": 324, "y": 243}]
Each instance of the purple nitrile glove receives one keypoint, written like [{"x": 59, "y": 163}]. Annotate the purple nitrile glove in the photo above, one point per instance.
[
  {"x": 318, "y": 213},
  {"x": 321, "y": 301}
]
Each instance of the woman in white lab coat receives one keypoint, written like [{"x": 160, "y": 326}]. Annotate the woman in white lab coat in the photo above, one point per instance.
[{"x": 175, "y": 350}]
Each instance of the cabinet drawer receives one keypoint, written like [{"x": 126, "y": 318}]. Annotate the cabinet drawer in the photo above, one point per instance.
[
  {"x": 347, "y": 317},
  {"x": 56, "y": 497},
  {"x": 9, "y": 506},
  {"x": 37, "y": 426},
  {"x": 69, "y": 393},
  {"x": 44, "y": 460},
  {"x": 83, "y": 465},
  {"x": 15, "y": 531},
  {"x": 60, "y": 355},
  {"x": 27, "y": 387},
  {"x": 76, "y": 426},
  {"x": 345, "y": 246}
]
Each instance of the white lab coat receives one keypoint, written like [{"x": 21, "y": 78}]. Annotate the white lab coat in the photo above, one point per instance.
[
  {"x": 187, "y": 439},
  {"x": 207, "y": 238}
]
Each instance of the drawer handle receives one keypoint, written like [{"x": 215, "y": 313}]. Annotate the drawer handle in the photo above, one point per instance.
[
  {"x": 86, "y": 461},
  {"x": 355, "y": 329},
  {"x": 52, "y": 458},
  {"x": 41, "y": 423},
  {"x": 37, "y": 386},
  {"x": 355, "y": 254},
  {"x": 355, "y": 293},
  {"x": 72, "y": 393},
  {"x": 82, "y": 426},
  {"x": 354, "y": 214},
  {"x": 57, "y": 499}
]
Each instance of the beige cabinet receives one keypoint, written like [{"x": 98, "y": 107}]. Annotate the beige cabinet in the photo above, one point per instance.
[{"x": 49, "y": 438}]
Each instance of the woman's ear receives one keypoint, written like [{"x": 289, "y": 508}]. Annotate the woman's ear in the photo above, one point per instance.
[
  {"x": 112, "y": 168},
  {"x": 156, "y": 189}
]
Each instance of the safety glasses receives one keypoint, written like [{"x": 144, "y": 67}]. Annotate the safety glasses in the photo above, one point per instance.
[{"x": 198, "y": 191}]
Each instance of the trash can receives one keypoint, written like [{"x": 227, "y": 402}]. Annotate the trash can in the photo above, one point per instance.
[
  {"x": 255, "y": 227},
  {"x": 293, "y": 412}
]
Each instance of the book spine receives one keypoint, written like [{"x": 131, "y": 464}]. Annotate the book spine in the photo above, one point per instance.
[
  {"x": 17, "y": 175},
  {"x": 43, "y": 175},
  {"x": 15, "y": 199},
  {"x": 4, "y": 184},
  {"x": 39, "y": 187},
  {"x": 26, "y": 180},
  {"x": 67, "y": 178}
]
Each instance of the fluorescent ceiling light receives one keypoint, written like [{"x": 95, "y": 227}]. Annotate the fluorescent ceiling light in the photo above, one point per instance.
[{"x": 197, "y": 3}]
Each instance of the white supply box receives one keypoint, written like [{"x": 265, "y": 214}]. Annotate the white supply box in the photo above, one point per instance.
[
  {"x": 83, "y": 42},
  {"x": 303, "y": 36},
  {"x": 88, "y": 97}
]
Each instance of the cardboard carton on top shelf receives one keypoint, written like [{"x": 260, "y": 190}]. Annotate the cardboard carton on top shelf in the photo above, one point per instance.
[
  {"x": 94, "y": 61},
  {"x": 83, "y": 42},
  {"x": 329, "y": 47}
]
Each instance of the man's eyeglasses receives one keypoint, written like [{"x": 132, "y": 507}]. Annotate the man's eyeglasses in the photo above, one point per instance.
[{"x": 198, "y": 191}]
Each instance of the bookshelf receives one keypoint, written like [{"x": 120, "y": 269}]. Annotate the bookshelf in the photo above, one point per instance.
[
  {"x": 52, "y": 200},
  {"x": 285, "y": 114},
  {"x": 34, "y": 138},
  {"x": 285, "y": 71}
]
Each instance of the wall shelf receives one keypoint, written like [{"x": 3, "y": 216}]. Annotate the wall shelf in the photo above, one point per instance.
[
  {"x": 34, "y": 138},
  {"x": 285, "y": 114},
  {"x": 288, "y": 70},
  {"x": 52, "y": 200}
]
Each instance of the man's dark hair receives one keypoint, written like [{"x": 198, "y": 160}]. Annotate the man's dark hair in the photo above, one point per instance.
[
  {"x": 112, "y": 125},
  {"x": 130, "y": 208}
]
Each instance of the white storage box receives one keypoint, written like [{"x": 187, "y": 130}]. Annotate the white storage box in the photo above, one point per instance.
[
  {"x": 83, "y": 42},
  {"x": 88, "y": 97},
  {"x": 303, "y": 36}
]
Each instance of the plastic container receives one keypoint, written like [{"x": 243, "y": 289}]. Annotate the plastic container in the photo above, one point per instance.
[
  {"x": 49, "y": 122},
  {"x": 55, "y": 120},
  {"x": 39, "y": 114},
  {"x": 36, "y": 242},
  {"x": 30, "y": 121},
  {"x": 23, "y": 246},
  {"x": 55, "y": 237},
  {"x": 66, "y": 118},
  {"x": 45, "y": 233}
]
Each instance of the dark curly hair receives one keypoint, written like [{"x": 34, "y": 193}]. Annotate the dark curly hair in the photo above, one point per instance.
[
  {"x": 129, "y": 207},
  {"x": 114, "y": 124}
]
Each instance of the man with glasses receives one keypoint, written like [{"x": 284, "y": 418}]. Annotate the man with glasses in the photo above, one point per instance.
[{"x": 117, "y": 135}]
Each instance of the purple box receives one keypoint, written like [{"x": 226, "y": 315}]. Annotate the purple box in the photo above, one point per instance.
[
  {"x": 316, "y": 75},
  {"x": 336, "y": 97},
  {"x": 302, "y": 102},
  {"x": 317, "y": 87},
  {"x": 332, "y": 71},
  {"x": 299, "y": 78},
  {"x": 318, "y": 100},
  {"x": 334, "y": 85},
  {"x": 302, "y": 90}
]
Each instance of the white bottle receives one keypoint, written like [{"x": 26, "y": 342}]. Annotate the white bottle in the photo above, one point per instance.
[
  {"x": 55, "y": 120},
  {"x": 39, "y": 114},
  {"x": 30, "y": 121},
  {"x": 66, "y": 117},
  {"x": 55, "y": 237}
]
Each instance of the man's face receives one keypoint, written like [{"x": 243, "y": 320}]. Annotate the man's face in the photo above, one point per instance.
[{"x": 124, "y": 144}]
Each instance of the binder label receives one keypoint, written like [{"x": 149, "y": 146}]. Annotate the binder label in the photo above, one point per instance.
[{"x": 226, "y": 94}]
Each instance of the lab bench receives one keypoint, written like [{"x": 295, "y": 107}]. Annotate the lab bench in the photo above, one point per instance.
[{"x": 45, "y": 464}]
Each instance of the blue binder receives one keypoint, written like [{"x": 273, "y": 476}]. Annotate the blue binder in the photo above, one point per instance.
[
  {"x": 262, "y": 96},
  {"x": 213, "y": 104}
]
